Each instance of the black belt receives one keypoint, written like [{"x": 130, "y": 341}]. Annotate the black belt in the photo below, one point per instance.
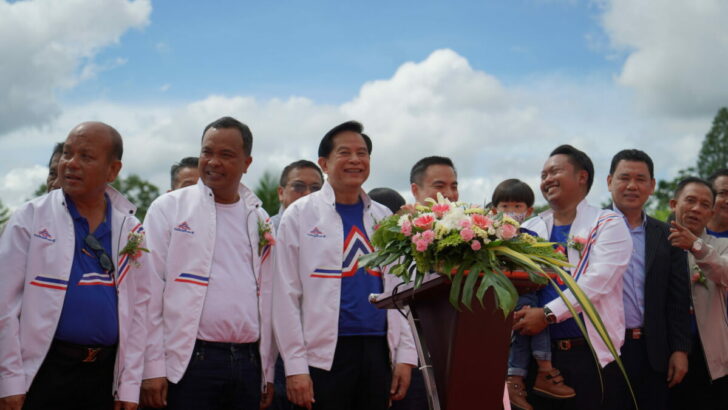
[
  {"x": 225, "y": 346},
  {"x": 567, "y": 344},
  {"x": 635, "y": 334},
  {"x": 82, "y": 353}
]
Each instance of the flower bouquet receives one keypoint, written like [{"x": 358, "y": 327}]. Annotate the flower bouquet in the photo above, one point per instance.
[{"x": 465, "y": 242}]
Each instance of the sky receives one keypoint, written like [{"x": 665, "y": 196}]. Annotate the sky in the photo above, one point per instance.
[{"x": 495, "y": 85}]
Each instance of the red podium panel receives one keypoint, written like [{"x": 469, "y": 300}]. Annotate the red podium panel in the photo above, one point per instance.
[{"x": 467, "y": 349}]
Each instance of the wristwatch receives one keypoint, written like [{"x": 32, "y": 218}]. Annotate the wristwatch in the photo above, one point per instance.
[
  {"x": 697, "y": 246},
  {"x": 550, "y": 316}
]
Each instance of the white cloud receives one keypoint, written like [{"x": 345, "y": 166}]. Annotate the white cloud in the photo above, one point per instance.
[
  {"x": 49, "y": 45},
  {"x": 676, "y": 53},
  {"x": 439, "y": 106},
  {"x": 18, "y": 185}
]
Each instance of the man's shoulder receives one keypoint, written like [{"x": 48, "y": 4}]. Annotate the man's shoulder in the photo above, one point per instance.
[{"x": 719, "y": 244}]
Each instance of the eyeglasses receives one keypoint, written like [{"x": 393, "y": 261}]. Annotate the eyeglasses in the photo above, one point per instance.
[
  {"x": 300, "y": 187},
  {"x": 100, "y": 252}
]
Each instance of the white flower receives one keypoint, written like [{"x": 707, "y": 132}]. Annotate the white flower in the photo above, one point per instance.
[
  {"x": 402, "y": 219},
  {"x": 451, "y": 220}
]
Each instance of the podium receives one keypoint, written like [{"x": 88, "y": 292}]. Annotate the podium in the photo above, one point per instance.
[{"x": 463, "y": 353}]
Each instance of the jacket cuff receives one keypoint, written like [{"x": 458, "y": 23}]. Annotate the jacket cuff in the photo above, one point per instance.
[
  {"x": 407, "y": 356},
  {"x": 128, "y": 392},
  {"x": 154, "y": 369},
  {"x": 296, "y": 366},
  {"x": 558, "y": 308},
  {"x": 682, "y": 345},
  {"x": 11, "y": 386}
]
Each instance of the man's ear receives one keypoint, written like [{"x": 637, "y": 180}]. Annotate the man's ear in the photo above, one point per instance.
[
  {"x": 415, "y": 190},
  {"x": 114, "y": 170},
  {"x": 323, "y": 164},
  {"x": 280, "y": 194}
]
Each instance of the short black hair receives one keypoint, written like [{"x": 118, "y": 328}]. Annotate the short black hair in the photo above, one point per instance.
[
  {"x": 420, "y": 167},
  {"x": 693, "y": 180},
  {"x": 632, "y": 155},
  {"x": 327, "y": 142},
  {"x": 723, "y": 172},
  {"x": 303, "y": 163},
  {"x": 117, "y": 144},
  {"x": 387, "y": 197},
  {"x": 579, "y": 160},
  {"x": 186, "y": 162},
  {"x": 57, "y": 150},
  {"x": 513, "y": 190},
  {"x": 230, "y": 122}
]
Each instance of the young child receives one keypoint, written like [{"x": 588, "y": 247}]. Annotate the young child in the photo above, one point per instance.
[{"x": 515, "y": 198}]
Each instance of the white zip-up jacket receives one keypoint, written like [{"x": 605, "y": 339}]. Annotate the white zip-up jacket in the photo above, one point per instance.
[
  {"x": 306, "y": 310},
  {"x": 36, "y": 251},
  {"x": 180, "y": 229},
  {"x": 599, "y": 273}
]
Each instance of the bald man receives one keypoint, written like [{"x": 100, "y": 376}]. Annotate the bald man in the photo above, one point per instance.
[{"x": 75, "y": 285}]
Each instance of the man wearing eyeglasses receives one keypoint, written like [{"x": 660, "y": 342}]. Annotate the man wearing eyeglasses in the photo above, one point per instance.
[
  {"x": 298, "y": 179},
  {"x": 210, "y": 341},
  {"x": 75, "y": 287}
]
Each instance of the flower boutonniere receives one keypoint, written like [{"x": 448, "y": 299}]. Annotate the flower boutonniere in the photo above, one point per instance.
[
  {"x": 134, "y": 247},
  {"x": 578, "y": 243},
  {"x": 698, "y": 276},
  {"x": 265, "y": 235}
]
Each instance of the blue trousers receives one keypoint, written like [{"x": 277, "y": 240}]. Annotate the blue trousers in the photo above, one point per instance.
[
  {"x": 523, "y": 347},
  {"x": 219, "y": 376}
]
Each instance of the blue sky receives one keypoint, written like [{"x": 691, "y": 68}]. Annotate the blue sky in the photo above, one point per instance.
[
  {"x": 326, "y": 50},
  {"x": 493, "y": 84}
]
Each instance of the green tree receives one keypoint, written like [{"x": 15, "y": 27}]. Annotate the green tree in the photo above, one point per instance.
[
  {"x": 713, "y": 155},
  {"x": 4, "y": 213},
  {"x": 714, "y": 152},
  {"x": 41, "y": 190},
  {"x": 267, "y": 191},
  {"x": 140, "y": 192}
]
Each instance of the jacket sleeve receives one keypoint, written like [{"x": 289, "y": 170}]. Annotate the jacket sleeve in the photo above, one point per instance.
[
  {"x": 406, "y": 350},
  {"x": 14, "y": 244},
  {"x": 713, "y": 261},
  {"x": 608, "y": 259},
  {"x": 269, "y": 347},
  {"x": 132, "y": 370},
  {"x": 158, "y": 235},
  {"x": 678, "y": 304},
  {"x": 287, "y": 293}
]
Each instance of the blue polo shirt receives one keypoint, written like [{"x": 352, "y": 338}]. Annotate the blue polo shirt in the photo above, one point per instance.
[
  {"x": 568, "y": 328},
  {"x": 358, "y": 317},
  {"x": 89, "y": 316},
  {"x": 723, "y": 234}
]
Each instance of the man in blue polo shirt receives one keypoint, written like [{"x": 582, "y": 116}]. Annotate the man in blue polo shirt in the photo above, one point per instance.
[{"x": 75, "y": 287}]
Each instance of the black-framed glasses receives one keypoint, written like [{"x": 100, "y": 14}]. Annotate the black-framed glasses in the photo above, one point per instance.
[
  {"x": 300, "y": 187},
  {"x": 100, "y": 252}
]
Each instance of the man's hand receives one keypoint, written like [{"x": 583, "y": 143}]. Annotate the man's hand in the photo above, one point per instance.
[
  {"x": 299, "y": 389},
  {"x": 681, "y": 237},
  {"x": 677, "y": 368},
  {"x": 125, "y": 405},
  {"x": 529, "y": 321},
  {"x": 154, "y": 392},
  {"x": 401, "y": 377},
  {"x": 12, "y": 402},
  {"x": 266, "y": 399}
]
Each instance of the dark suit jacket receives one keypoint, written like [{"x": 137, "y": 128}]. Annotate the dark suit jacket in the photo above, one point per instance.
[{"x": 667, "y": 296}]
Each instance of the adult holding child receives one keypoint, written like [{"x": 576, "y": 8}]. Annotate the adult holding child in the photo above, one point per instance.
[{"x": 566, "y": 179}]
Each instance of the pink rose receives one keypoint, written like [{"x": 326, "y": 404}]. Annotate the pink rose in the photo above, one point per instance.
[
  {"x": 416, "y": 237},
  {"x": 440, "y": 209},
  {"x": 580, "y": 240},
  {"x": 421, "y": 245},
  {"x": 428, "y": 236},
  {"x": 137, "y": 255},
  {"x": 695, "y": 278},
  {"x": 269, "y": 237},
  {"x": 406, "y": 228},
  {"x": 467, "y": 234},
  {"x": 424, "y": 221},
  {"x": 482, "y": 221},
  {"x": 508, "y": 231},
  {"x": 475, "y": 245},
  {"x": 465, "y": 223}
]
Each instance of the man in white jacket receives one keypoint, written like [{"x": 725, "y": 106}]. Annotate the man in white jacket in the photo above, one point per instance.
[
  {"x": 599, "y": 264},
  {"x": 339, "y": 351},
  {"x": 75, "y": 287},
  {"x": 210, "y": 338}
]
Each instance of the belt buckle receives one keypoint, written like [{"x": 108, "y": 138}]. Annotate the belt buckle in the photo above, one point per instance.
[
  {"x": 91, "y": 353},
  {"x": 565, "y": 344},
  {"x": 637, "y": 334}
]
